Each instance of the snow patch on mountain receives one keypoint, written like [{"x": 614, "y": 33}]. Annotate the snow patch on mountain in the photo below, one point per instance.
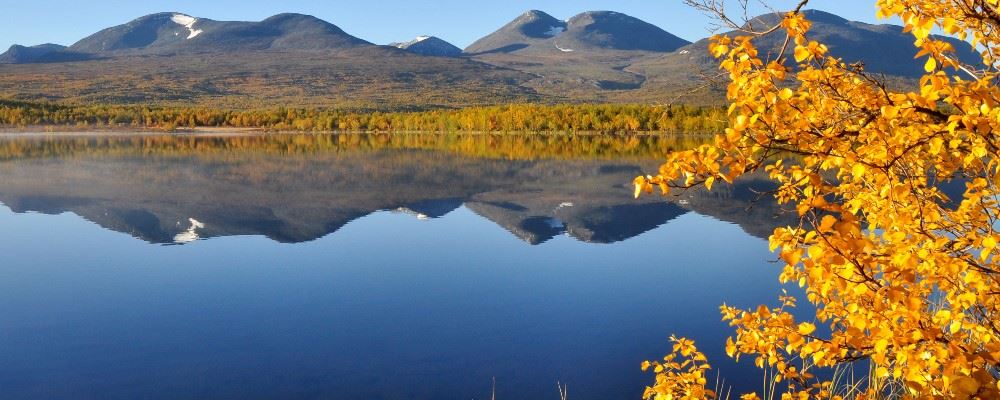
[
  {"x": 564, "y": 50},
  {"x": 404, "y": 45},
  {"x": 187, "y": 21},
  {"x": 554, "y": 31},
  {"x": 429, "y": 46}
]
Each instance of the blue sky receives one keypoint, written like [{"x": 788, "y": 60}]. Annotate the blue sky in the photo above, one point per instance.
[{"x": 380, "y": 21}]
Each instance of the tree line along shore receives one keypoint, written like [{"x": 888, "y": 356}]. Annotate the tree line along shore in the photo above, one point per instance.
[{"x": 503, "y": 118}]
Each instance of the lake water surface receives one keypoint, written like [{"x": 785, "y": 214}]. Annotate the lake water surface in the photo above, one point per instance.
[{"x": 361, "y": 267}]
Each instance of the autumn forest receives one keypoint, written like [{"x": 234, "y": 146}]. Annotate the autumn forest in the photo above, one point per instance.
[{"x": 510, "y": 118}]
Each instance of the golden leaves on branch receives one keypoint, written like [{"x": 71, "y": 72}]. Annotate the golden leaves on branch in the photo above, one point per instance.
[
  {"x": 681, "y": 375},
  {"x": 903, "y": 276}
]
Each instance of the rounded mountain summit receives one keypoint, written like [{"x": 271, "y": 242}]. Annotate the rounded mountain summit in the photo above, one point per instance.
[
  {"x": 170, "y": 32},
  {"x": 593, "y": 30}
]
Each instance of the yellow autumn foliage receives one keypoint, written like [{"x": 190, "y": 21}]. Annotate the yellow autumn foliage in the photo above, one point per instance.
[{"x": 902, "y": 276}]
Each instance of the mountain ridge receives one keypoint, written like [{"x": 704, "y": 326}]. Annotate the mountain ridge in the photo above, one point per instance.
[
  {"x": 171, "y": 32},
  {"x": 538, "y": 31},
  {"x": 879, "y": 47},
  {"x": 594, "y": 56}
]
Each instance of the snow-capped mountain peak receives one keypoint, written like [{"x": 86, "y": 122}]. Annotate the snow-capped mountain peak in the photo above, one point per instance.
[{"x": 429, "y": 46}]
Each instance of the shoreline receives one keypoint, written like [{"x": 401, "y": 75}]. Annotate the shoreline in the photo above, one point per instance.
[
  {"x": 68, "y": 131},
  {"x": 61, "y": 130}
]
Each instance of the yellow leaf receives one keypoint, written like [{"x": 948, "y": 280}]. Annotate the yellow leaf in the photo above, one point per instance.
[
  {"x": 881, "y": 345},
  {"x": 640, "y": 184},
  {"x": 801, "y": 53},
  {"x": 965, "y": 387},
  {"x": 806, "y": 328},
  {"x": 890, "y": 111},
  {"x": 792, "y": 257},
  {"x": 931, "y": 64},
  {"x": 741, "y": 123},
  {"x": 948, "y": 25},
  {"x": 827, "y": 223},
  {"x": 989, "y": 244},
  {"x": 858, "y": 170},
  {"x": 709, "y": 182},
  {"x": 719, "y": 50},
  {"x": 786, "y": 94},
  {"x": 816, "y": 252}
]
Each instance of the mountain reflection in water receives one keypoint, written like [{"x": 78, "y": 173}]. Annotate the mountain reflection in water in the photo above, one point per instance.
[
  {"x": 298, "y": 188},
  {"x": 418, "y": 292}
]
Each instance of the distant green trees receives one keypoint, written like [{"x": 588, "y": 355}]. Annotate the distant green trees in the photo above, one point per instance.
[{"x": 508, "y": 118}]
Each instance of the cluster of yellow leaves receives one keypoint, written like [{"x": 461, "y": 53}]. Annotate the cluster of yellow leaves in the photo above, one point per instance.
[
  {"x": 681, "y": 374},
  {"x": 902, "y": 276}
]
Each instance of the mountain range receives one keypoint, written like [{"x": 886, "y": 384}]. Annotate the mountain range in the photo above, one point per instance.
[{"x": 296, "y": 59}]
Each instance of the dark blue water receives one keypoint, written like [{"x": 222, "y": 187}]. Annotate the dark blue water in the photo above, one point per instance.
[{"x": 384, "y": 274}]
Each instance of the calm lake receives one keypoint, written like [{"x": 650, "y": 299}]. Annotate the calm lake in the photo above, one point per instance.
[{"x": 362, "y": 266}]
